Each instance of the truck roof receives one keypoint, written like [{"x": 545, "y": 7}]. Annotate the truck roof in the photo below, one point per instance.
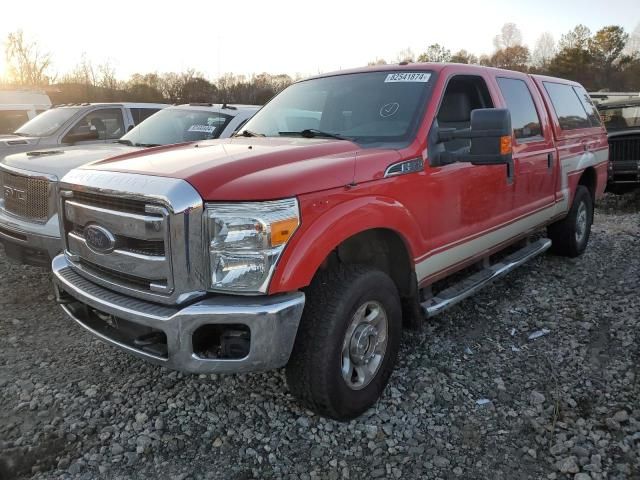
[
  {"x": 118, "y": 104},
  {"x": 435, "y": 67},
  {"x": 217, "y": 106}
]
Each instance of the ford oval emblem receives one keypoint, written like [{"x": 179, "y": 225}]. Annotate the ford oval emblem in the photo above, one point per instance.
[{"x": 99, "y": 239}]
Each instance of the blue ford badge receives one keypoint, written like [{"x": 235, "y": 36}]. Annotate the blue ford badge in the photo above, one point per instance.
[{"x": 99, "y": 239}]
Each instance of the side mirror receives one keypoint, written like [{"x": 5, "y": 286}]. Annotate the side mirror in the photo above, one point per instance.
[
  {"x": 81, "y": 133},
  {"x": 490, "y": 136}
]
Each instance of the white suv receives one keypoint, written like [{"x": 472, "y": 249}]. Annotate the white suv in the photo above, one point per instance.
[{"x": 28, "y": 208}]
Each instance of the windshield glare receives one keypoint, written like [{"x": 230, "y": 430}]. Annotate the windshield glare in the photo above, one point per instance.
[
  {"x": 620, "y": 118},
  {"x": 365, "y": 107},
  {"x": 47, "y": 122},
  {"x": 173, "y": 125}
]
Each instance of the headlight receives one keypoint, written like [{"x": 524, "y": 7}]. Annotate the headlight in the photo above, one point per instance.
[{"x": 245, "y": 241}]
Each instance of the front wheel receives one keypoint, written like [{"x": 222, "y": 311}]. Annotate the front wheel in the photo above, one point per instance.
[
  {"x": 347, "y": 342},
  {"x": 570, "y": 235}
]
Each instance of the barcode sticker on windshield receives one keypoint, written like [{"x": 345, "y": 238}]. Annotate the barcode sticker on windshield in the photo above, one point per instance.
[
  {"x": 202, "y": 128},
  {"x": 407, "y": 77}
]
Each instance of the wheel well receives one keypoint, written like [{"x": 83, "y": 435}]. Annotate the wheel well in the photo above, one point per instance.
[
  {"x": 589, "y": 179},
  {"x": 385, "y": 250}
]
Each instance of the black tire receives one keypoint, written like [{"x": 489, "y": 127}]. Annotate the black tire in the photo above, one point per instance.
[
  {"x": 314, "y": 372},
  {"x": 570, "y": 235}
]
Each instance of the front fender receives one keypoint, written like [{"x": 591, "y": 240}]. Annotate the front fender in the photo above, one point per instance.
[{"x": 328, "y": 219}]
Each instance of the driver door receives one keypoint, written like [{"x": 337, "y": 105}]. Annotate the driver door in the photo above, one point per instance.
[{"x": 467, "y": 203}]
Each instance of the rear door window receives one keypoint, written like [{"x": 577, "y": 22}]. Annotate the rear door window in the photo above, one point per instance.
[
  {"x": 567, "y": 105},
  {"x": 524, "y": 116},
  {"x": 592, "y": 111}
]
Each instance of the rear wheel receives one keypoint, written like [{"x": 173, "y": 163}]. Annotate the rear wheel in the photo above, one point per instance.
[
  {"x": 570, "y": 235},
  {"x": 347, "y": 342}
]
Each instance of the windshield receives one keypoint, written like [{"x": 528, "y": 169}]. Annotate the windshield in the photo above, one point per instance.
[
  {"x": 621, "y": 118},
  {"x": 378, "y": 107},
  {"x": 174, "y": 125},
  {"x": 47, "y": 122}
]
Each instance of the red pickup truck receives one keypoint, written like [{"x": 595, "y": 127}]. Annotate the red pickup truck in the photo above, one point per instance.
[{"x": 337, "y": 215}]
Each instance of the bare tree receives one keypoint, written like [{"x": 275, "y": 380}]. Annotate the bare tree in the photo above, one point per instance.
[
  {"x": 462, "y": 56},
  {"x": 83, "y": 73},
  {"x": 171, "y": 86},
  {"x": 377, "y": 61},
  {"x": 544, "y": 50},
  {"x": 435, "y": 53},
  {"x": 107, "y": 76},
  {"x": 28, "y": 64},
  {"x": 578, "y": 38},
  {"x": 510, "y": 36}
]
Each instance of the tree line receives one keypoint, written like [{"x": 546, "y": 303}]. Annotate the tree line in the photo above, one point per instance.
[
  {"x": 30, "y": 66},
  {"x": 608, "y": 59}
]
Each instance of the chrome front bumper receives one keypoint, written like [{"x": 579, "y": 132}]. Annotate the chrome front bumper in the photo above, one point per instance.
[
  {"x": 27, "y": 242},
  {"x": 271, "y": 320}
]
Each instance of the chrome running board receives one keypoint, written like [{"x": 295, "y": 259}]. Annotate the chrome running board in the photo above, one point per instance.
[{"x": 470, "y": 285}]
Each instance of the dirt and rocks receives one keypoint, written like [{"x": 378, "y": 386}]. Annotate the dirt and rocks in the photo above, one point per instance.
[{"x": 535, "y": 377}]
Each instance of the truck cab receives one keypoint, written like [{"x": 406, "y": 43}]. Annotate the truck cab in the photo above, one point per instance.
[{"x": 336, "y": 216}]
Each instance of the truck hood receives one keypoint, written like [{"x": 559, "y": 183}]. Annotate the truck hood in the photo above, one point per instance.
[
  {"x": 248, "y": 168},
  {"x": 58, "y": 161},
  {"x": 15, "y": 143}
]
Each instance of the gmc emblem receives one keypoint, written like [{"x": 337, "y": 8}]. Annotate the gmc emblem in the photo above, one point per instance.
[{"x": 11, "y": 193}]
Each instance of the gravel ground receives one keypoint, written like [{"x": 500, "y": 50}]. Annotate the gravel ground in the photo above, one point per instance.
[{"x": 536, "y": 377}]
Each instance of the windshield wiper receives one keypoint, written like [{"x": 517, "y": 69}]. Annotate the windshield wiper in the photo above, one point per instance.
[
  {"x": 248, "y": 133},
  {"x": 313, "y": 133},
  {"x": 20, "y": 134},
  {"x": 125, "y": 142},
  {"x": 148, "y": 145}
]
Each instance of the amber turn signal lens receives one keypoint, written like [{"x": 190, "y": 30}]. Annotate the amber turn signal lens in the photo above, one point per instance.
[
  {"x": 505, "y": 145},
  {"x": 282, "y": 230}
]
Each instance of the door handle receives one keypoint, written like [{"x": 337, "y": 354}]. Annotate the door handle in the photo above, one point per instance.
[{"x": 549, "y": 160}]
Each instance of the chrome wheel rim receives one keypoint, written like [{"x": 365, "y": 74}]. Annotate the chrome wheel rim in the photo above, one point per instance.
[
  {"x": 364, "y": 345},
  {"x": 581, "y": 222}
]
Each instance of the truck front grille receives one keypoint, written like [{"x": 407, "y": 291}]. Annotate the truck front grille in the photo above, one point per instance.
[
  {"x": 112, "y": 203},
  {"x": 624, "y": 148},
  {"x": 26, "y": 197},
  {"x": 138, "y": 259},
  {"x": 624, "y": 155}
]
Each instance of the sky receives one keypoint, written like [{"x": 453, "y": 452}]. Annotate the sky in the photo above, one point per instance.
[{"x": 294, "y": 37}]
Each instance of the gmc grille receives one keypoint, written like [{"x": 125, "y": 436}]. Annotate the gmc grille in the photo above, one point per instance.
[{"x": 26, "y": 197}]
